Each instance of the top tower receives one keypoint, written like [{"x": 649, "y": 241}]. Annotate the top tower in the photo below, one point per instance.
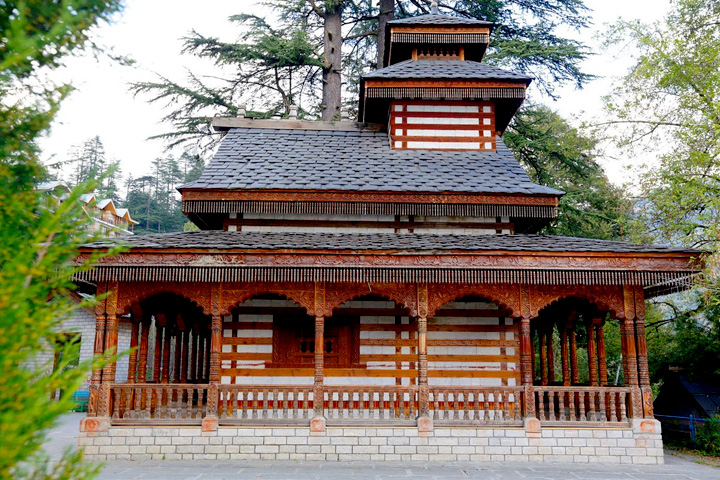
[{"x": 435, "y": 94}]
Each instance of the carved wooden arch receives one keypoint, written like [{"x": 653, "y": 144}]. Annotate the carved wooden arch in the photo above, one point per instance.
[
  {"x": 339, "y": 293},
  {"x": 504, "y": 296},
  {"x": 605, "y": 297},
  {"x": 232, "y": 295},
  {"x": 403, "y": 294},
  {"x": 130, "y": 294}
]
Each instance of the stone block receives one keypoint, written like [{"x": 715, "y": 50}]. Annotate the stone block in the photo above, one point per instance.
[
  {"x": 182, "y": 441},
  {"x": 267, "y": 449}
]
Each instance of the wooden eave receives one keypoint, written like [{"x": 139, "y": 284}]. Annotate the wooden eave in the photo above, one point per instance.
[
  {"x": 659, "y": 273},
  {"x": 368, "y": 196},
  {"x": 222, "y": 124}
]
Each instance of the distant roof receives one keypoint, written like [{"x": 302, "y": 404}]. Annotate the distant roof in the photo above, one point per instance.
[
  {"x": 215, "y": 239},
  {"x": 45, "y": 186},
  {"x": 707, "y": 394},
  {"x": 439, "y": 19},
  {"x": 301, "y": 159},
  {"x": 445, "y": 69}
]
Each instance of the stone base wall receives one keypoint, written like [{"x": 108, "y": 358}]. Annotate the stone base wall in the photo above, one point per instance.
[{"x": 641, "y": 444}]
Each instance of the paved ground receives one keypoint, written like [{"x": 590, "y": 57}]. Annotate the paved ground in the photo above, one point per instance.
[{"x": 677, "y": 467}]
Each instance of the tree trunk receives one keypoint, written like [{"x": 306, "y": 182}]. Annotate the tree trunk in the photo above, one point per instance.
[
  {"x": 387, "y": 13},
  {"x": 332, "y": 70}
]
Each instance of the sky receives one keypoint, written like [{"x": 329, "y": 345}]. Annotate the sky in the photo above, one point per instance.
[{"x": 151, "y": 31}]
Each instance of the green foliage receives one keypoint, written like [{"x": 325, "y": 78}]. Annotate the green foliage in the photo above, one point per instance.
[
  {"x": 278, "y": 66},
  {"x": 685, "y": 334},
  {"x": 669, "y": 104},
  {"x": 708, "y": 437},
  {"x": 39, "y": 242},
  {"x": 152, "y": 199},
  {"x": 559, "y": 156}
]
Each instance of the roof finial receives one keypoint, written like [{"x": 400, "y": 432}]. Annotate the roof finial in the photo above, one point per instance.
[{"x": 434, "y": 8}]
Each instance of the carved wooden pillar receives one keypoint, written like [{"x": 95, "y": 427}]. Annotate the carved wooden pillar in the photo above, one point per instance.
[
  {"x": 533, "y": 334},
  {"x": 200, "y": 337},
  {"x": 165, "y": 378},
  {"x": 319, "y": 379},
  {"x": 574, "y": 371},
  {"x": 158, "y": 351},
  {"x": 111, "y": 332},
  {"x": 100, "y": 325},
  {"x": 178, "y": 356},
  {"x": 184, "y": 356},
  {"x": 602, "y": 355},
  {"x": 99, "y": 347},
  {"x": 543, "y": 357},
  {"x": 192, "y": 358},
  {"x": 592, "y": 353},
  {"x": 526, "y": 352},
  {"x": 628, "y": 338},
  {"x": 642, "y": 354},
  {"x": 111, "y": 341},
  {"x": 142, "y": 362},
  {"x": 550, "y": 353},
  {"x": 208, "y": 355},
  {"x": 132, "y": 362},
  {"x": 565, "y": 353},
  {"x": 215, "y": 340},
  {"x": 424, "y": 397}
]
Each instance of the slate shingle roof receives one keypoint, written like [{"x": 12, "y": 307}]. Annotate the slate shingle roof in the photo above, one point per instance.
[
  {"x": 439, "y": 19},
  {"x": 254, "y": 158},
  {"x": 221, "y": 240},
  {"x": 444, "y": 69}
]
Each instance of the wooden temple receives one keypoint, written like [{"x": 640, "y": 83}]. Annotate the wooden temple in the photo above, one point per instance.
[{"x": 379, "y": 289}]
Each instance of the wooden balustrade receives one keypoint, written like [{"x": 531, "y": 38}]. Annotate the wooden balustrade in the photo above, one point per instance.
[
  {"x": 584, "y": 405},
  {"x": 187, "y": 404},
  {"x": 353, "y": 404},
  {"x": 477, "y": 405},
  {"x": 173, "y": 404},
  {"x": 245, "y": 404}
]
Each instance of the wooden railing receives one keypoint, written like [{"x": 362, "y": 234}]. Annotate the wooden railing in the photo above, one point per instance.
[
  {"x": 176, "y": 404},
  {"x": 239, "y": 404},
  {"x": 188, "y": 404},
  {"x": 357, "y": 404},
  {"x": 477, "y": 405},
  {"x": 583, "y": 405}
]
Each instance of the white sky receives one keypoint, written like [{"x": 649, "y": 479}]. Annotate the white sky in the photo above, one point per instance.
[{"x": 150, "y": 32}]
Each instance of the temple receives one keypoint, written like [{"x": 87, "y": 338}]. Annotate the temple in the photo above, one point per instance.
[{"x": 379, "y": 291}]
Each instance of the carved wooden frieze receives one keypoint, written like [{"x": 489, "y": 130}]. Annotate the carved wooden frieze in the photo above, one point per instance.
[
  {"x": 605, "y": 297},
  {"x": 508, "y": 260},
  {"x": 236, "y": 293},
  {"x": 506, "y": 296},
  {"x": 132, "y": 293}
]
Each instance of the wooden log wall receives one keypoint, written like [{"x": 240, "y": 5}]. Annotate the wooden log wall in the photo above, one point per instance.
[
  {"x": 472, "y": 342},
  {"x": 460, "y": 225},
  {"x": 370, "y": 342},
  {"x": 442, "y": 125}
]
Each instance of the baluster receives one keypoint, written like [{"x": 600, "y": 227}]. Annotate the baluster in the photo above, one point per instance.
[
  {"x": 137, "y": 402},
  {"x": 128, "y": 406},
  {"x": 486, "y": 407},
  {"x": 517, "y": 401},
  {"x": 540, "y": 404},
  {"x": 498, "y": 406},
  {"x": 581, "y": 406},
  {"x": 592, "y": 411},
  {"x": 623, "y": 407},
  {"x": 267, "y": 406},
  {"x": 147, "y": 411},
  {"x": 602, "y": 412},
  {"x": 254, "y": 404},
  {"x": 275, "y": 405},
  {"x": 561, "y": 406},
  {"x": 506, "y": 407},
  {"x": 613, "y": 407},
  {"x": 571, "y": 406},
  {"x": 114, "y": 393},
  {"x": 551, "y": 405}
]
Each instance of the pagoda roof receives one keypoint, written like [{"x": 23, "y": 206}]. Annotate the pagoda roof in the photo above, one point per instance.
[
  {"x": 409, "y": 242},
  {"x": 445, "y": 69},
  {"x": 440, "y": 19},
  {"x": 356, "y": 160}
]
